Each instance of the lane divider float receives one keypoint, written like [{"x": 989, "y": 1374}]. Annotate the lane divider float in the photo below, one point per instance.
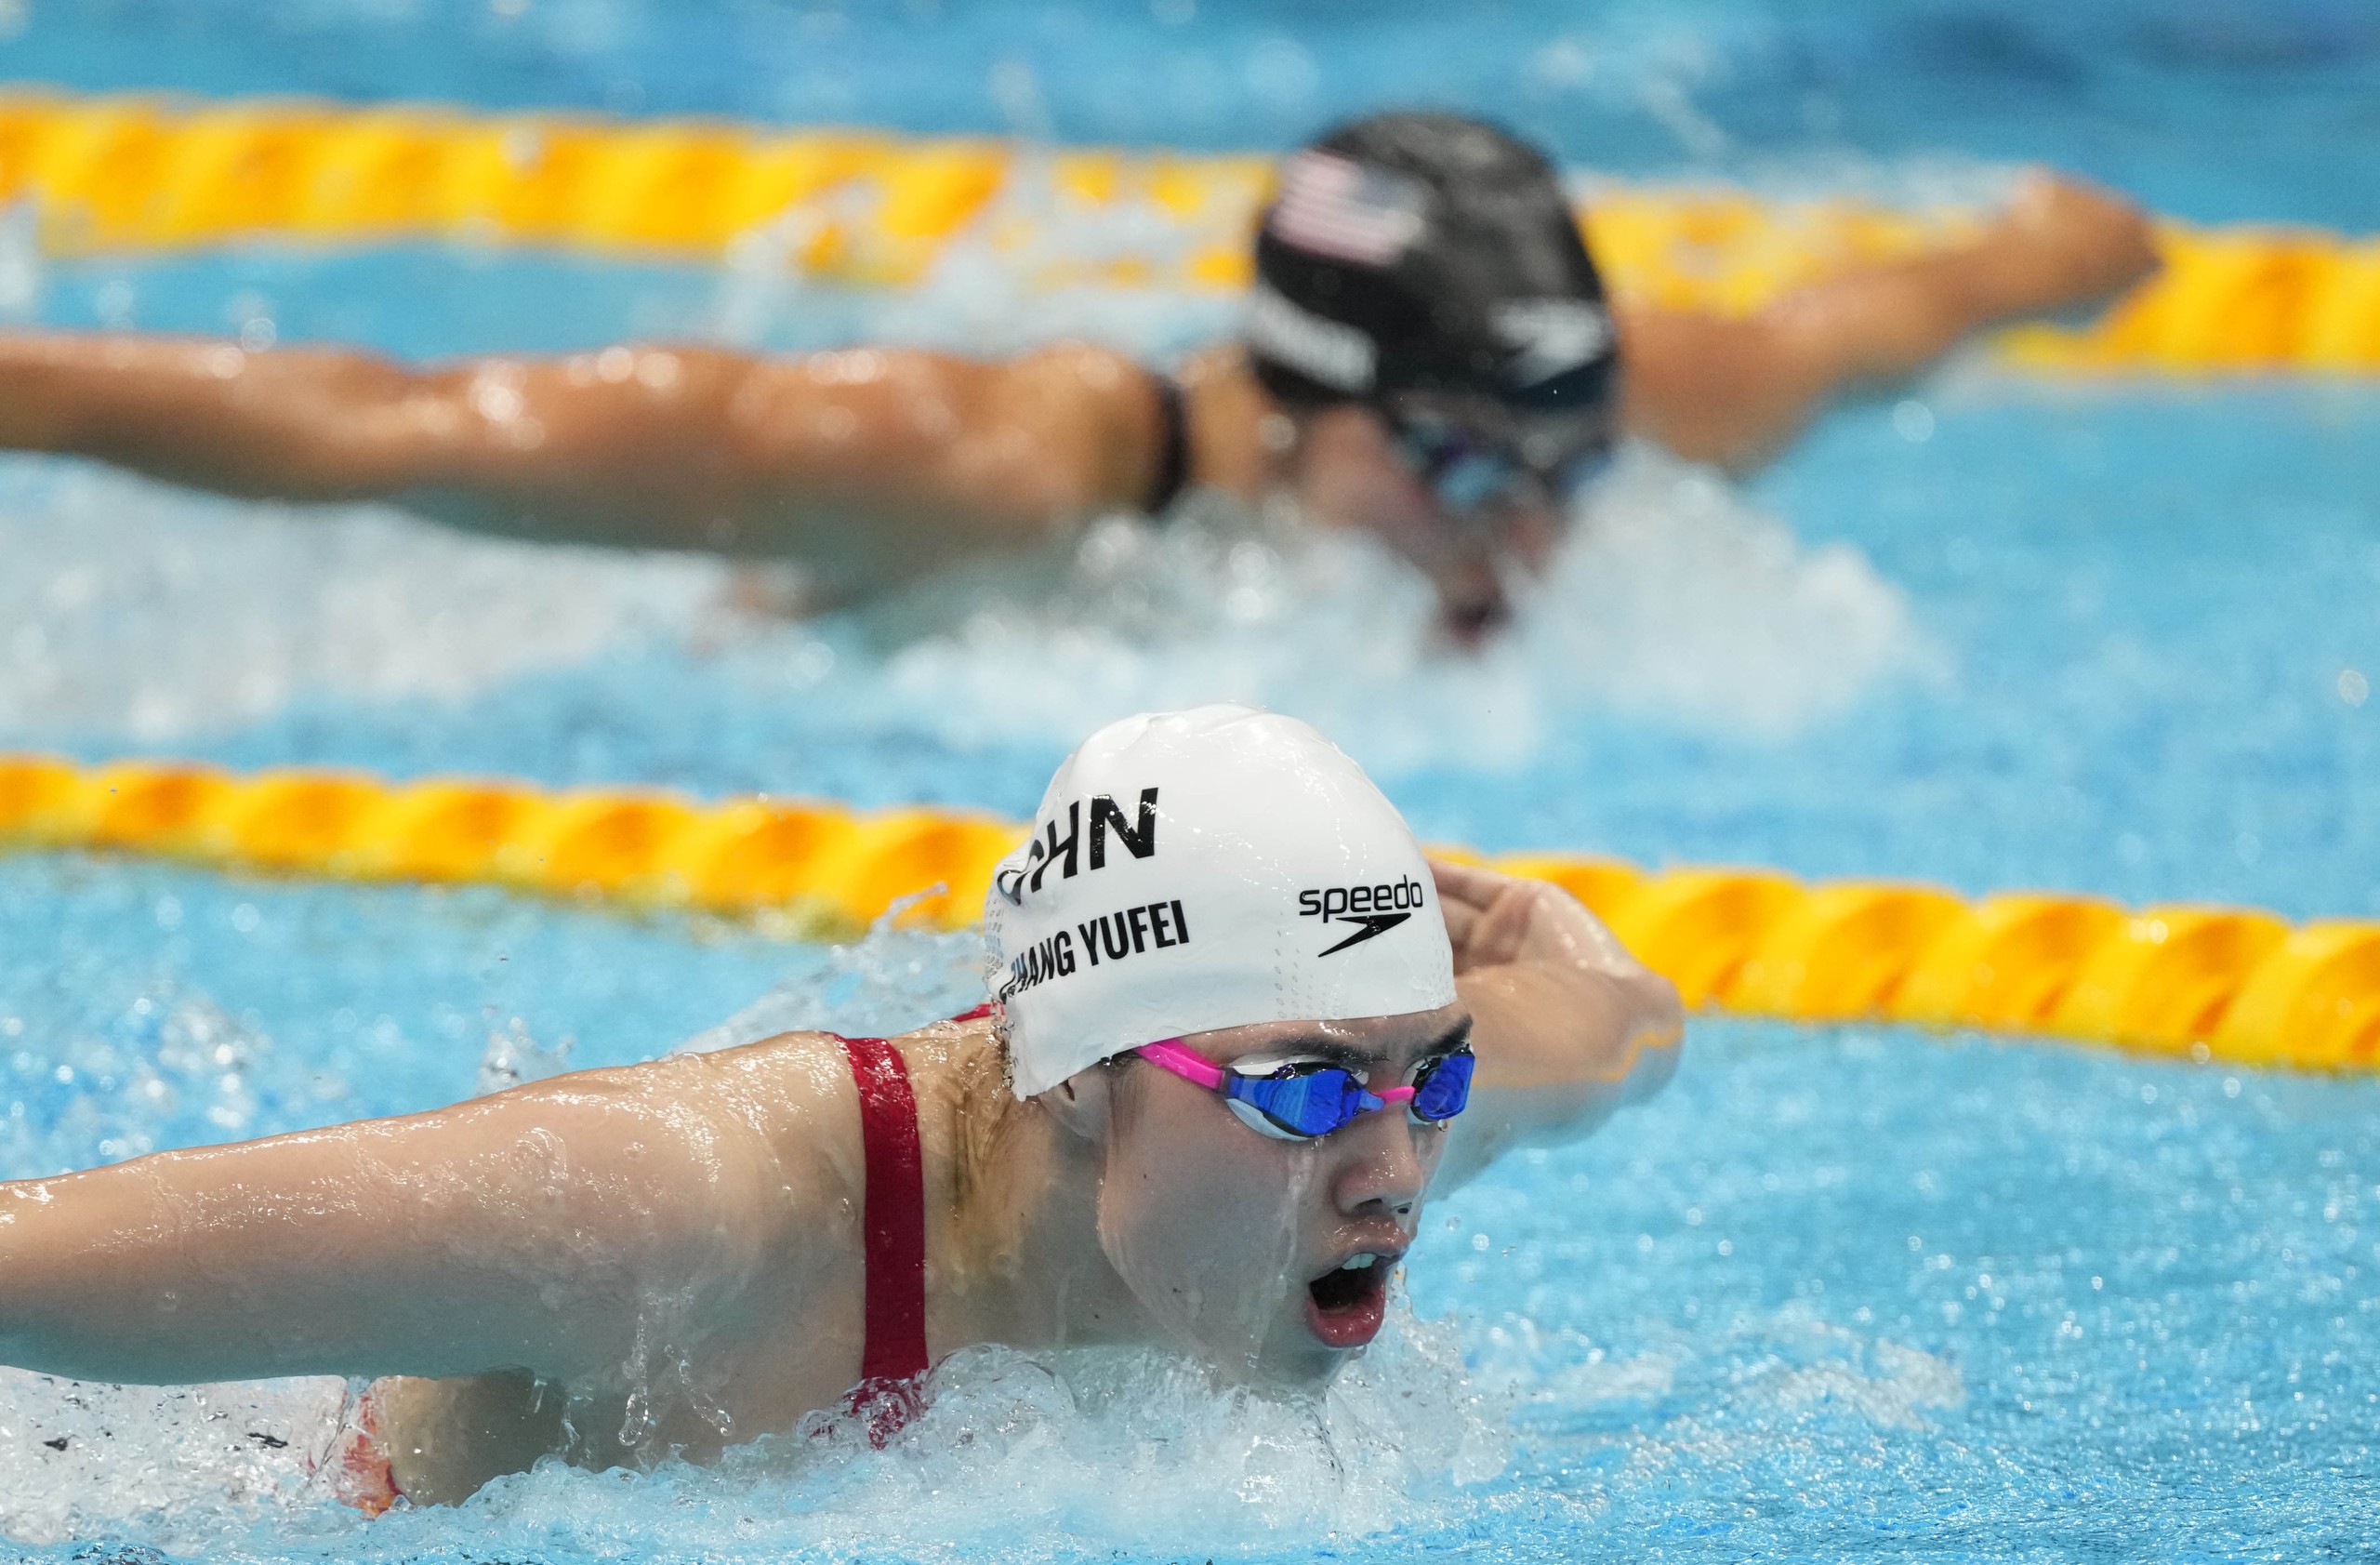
[
  {"x": 133, "y": 174},
  {"x": 2195, "y": 981}
]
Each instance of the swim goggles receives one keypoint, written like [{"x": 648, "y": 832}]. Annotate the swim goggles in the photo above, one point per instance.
[
  {"x": 1299, "y": 1102},
  {"x": 1469, "y": 465}
]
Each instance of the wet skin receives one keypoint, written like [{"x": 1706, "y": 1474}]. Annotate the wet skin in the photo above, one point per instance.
[
  {"x": 671, "y": 1255},
  {"x": 1222, "y": 1231}
]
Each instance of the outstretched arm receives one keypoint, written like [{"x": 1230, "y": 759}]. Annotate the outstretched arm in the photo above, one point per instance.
[
  {"x": 1732, "y": 391},
  {"x": 530, "y": 1230},
  {"x": 872, "y": 459},
  {"x": 1568, "y": 1028}
]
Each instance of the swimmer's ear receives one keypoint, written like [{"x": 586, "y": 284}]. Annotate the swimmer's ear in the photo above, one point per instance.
[{"x": 1082, "y": 1103}]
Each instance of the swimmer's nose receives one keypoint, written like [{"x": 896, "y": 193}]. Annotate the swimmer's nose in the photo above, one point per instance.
[
  {"x": 1382, "y": 1173},
  {"x": 1471, "y": 597},
  {"x": 1536, "y": 530}
]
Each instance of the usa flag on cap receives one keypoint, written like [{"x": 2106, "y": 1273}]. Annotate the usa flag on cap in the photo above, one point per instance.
[{"x": 1335, "y": 206}]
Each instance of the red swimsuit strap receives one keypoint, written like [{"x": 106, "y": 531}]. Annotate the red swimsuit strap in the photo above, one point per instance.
[
  {"x": 893, "y": 1358},
  {"x": 895, "y": 1219}
]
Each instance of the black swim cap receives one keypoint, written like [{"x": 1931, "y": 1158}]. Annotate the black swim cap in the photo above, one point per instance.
[{"x": 1427, "y": 252}]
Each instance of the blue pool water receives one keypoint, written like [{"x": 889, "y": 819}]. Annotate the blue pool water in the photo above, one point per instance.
[{"x": 1835, "y": 1293}]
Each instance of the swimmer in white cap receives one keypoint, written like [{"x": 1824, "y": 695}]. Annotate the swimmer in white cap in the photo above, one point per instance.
[
  {"x": 1427, "y": 353},
  {"x": 1240, "y": 1028}
]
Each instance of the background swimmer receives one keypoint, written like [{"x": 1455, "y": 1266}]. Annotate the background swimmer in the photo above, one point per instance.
[
  {"x": 677, "y": 1255},
  {"x": 1428, "y": 355}
]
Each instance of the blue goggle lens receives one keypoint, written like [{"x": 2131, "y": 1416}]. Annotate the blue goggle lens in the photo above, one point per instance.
[
  {"x": 1303, "y": 1102},
  {"x": 1321, "y": 1099},
  {"x": 1442, "y": 1090}
]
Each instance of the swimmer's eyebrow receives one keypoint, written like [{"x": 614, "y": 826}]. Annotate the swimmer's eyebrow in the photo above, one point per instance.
[
  {"x": 1455, "y": 1038},
  {"x": 1331, "y": 1051}
]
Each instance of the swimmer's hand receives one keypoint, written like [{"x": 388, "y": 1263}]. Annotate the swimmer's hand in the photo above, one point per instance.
[
  {"x": 1568, "y": 1025},
  {"x": 2066, "y": 242},
  {"x": 1734, "y": 389}
]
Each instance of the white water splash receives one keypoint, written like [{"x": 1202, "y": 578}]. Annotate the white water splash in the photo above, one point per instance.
[
  {"x": 132, "y": 609},
  {"x": 81, "y": 1460},
  {"x": 890, "y": 981},
  {"x": 1088, "y": 1449},
  {"x": 1674, "y": 601}
]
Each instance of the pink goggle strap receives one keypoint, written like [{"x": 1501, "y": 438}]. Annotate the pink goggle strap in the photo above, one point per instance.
[{"x": 1173, "y": 1054}]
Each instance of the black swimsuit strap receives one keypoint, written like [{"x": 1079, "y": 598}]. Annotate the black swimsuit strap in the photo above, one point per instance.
[{"x": 1173, "y": 446}]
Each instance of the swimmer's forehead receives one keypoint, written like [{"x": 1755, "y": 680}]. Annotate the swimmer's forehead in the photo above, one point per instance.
[{"x": 1360, "y": 1043}]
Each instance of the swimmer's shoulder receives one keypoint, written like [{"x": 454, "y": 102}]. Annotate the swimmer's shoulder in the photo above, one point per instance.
[
  {"x": 1228, "y": 410},
  {"x": 796, "y": 1090},
  {"x": 1222, "y": 406},
  {"x": 795, "y": 1093}
]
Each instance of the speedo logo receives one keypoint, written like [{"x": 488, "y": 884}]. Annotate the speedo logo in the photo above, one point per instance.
[{"x": 1377, "y": 908}]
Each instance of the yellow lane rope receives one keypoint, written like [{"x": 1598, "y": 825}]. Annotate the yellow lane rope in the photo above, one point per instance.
[
  {"x": 134, "y": 174},
  {"x": 2202, "y": 982}
]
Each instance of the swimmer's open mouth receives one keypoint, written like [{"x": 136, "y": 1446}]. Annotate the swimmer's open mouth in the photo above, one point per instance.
[{"x": 1346, "y": 1305}]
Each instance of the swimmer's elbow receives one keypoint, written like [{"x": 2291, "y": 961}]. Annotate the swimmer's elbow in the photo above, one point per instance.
[
  {"x": 1727, "y": 394},
  {"x": 1649, "y": 1035},
  {"x": 1659, "y": 1043}
]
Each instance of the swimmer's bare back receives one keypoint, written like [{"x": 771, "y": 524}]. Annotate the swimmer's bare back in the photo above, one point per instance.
[
  {"x": 674, "y": 1251},
  {"x": 872, "y": 464}
]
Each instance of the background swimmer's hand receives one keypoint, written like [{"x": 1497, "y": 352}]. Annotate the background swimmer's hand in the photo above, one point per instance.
[
  {"x": 2069, "y": 241},
  {"x": 1733, "y": 391},
  {"x": 1568, "y": 1025}
]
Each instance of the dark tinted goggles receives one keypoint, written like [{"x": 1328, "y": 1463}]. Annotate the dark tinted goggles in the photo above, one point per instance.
[{"x": 1470, "y": 466}]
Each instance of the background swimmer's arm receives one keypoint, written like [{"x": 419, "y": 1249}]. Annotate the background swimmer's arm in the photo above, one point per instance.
[
  {"x": 531, "y": 1230},
  {"x": 1568, "y": 1028},
  {"x": 653, "y": 448},
  {"x": 1733, "y": 392}
]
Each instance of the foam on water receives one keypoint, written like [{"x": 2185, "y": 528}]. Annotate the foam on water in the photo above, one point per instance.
[
  {"x": 177, "y": 1463},
  {"x": 1082, "y": 1450},
  {"x": 142, "y": 616},
  {"x": 1673, "y": 600}
]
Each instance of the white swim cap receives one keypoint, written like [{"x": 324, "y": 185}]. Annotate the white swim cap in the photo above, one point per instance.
[{"x": 1201, "y": 870}]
